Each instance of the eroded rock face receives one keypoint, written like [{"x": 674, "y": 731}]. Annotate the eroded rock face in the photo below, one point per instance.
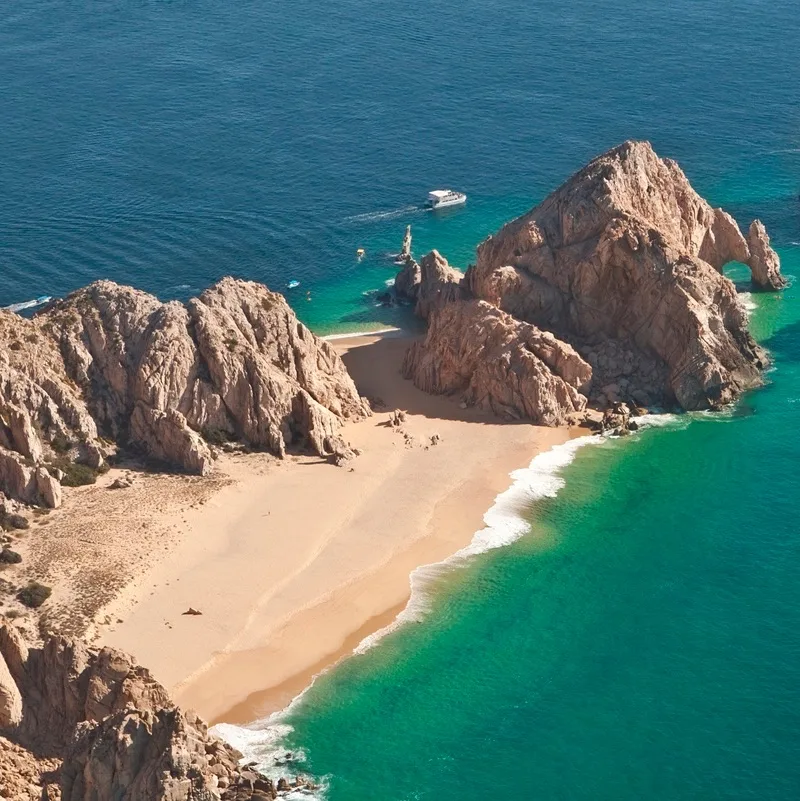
[
  {"x": 498, "y": 363},
  {"x": 431, "y": 283},
  {"x": 439, "y": 284},
  {"x": 764, "y": 261},
  {"x": 110, "y": 365},
  {"x": 24, "y": 777},
  {"x": 626, "y": 251},
  {"x": 86, "y": 724},
  {"x": 66, "y": 683}
]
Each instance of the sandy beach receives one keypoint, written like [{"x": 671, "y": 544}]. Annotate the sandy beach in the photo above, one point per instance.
[{"x": 291, "y": 563}]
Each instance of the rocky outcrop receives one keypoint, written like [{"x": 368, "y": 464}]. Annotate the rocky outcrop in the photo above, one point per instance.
[
  {"x": 21, "y": 479},
  {"x": 407, "y": 281},
  {"x": 110, "y": 366},
  {"x": 24, "y": 777},
  {"x": 84, "y": 724},
  {"x": 405, "y": 251},
  {"x": 499, "y": 364},
  {"x": 430, "y": 284},
  {"x": 439, "y": 284},
  {"x": 764, "y": 262},
  {"x": 627, "y": 253}
]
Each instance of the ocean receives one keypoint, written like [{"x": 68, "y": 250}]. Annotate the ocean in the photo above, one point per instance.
[{"x": 641, "y": 638}]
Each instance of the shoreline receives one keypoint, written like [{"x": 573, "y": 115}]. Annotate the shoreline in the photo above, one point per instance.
[
  {"x": 394, "y": 331},
  {"x": 292, "y": 563},
  {"x": 370, "y": 600}
]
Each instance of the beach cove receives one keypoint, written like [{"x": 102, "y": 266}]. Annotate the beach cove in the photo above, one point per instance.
[{"x": 292, "y": 563}]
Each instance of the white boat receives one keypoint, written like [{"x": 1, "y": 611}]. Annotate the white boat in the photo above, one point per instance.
[{"x": 440, "y": 198}]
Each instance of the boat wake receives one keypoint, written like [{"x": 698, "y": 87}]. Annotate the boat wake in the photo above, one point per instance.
[
  {"x": 28, "y": 304},
  {"x": 374, "y": 216}
]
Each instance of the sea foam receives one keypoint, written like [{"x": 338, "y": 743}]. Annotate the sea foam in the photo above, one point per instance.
[{"x": 505, "y": 523}]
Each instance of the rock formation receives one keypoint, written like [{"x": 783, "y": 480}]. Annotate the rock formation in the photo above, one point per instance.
[
  {"x": 431, "y": 283},
  {"x": 405, "y": 252},
  {"x": 110, "y": 366},
  {"x": 624, "y": 261},
  {"x": 498, "y": 363},
  {"x": 764, "y": 262},
  {"x": 84, "y": 725}
]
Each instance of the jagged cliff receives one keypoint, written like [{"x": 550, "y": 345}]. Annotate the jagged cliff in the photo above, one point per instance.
[
  {"x": 430, "y": 283},
  {"x": 88, "y": 725},
  {"x": 623, "y": 262},
  {"x": 110, "y": 366},
  {"x": 498, "y": 363}
]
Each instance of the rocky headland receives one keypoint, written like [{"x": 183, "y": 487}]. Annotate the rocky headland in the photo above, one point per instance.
[
  {"x": 86, "y": 724},
  {"x": 110, "y": 367},
  {"x": 622, "y": 269}
]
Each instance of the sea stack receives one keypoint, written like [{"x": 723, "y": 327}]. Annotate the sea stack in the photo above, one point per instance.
[{"x": 623, "y": 263}]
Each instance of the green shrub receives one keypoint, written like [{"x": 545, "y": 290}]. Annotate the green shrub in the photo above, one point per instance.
[
  {"x": 77, "y": 475},
  {"x": 60, "y": 443},
  {"x": 216, "y": 436},
  {"x": 15, "y": 521},
  {"x": 34, "y": 595}
]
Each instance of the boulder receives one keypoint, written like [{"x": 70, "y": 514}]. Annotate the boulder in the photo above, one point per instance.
[{"x": 27, "y": 483}]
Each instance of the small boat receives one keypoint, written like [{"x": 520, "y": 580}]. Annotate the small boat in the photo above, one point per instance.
[
  {"x": 293, "y": 284},
  {"x": 441, "y": 198},
  {"x": 360, "y": 253}
]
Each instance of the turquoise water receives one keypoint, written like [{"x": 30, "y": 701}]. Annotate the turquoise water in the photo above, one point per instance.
[{"x": 643, "y": 640}]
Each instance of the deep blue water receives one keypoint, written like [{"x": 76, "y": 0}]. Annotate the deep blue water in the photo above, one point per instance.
[
  {"x": 166, "y": 144},
  {"x": 642, "y": 643}
]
